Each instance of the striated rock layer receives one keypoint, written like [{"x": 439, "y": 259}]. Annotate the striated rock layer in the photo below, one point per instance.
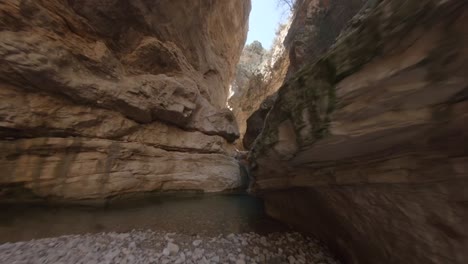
[
  {"x": 367, "y": 147},
  {"x": 315, "y": 26},
  {"x": 108, "y": 97},
  {"x": 310, "y": 32},
  {"x": 259, "y": 74}
]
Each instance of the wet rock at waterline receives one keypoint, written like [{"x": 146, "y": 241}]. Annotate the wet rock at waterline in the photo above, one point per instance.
[
  {"x": 148, "y": 247},
  {"x": 100, "y": 99},
  {"x": 367, "y": 148}
]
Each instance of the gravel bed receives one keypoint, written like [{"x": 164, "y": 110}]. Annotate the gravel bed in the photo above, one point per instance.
[{"x": 155, "y": 247}]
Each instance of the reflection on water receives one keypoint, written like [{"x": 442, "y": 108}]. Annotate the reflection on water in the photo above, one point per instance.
[{"x": 190, "y": 214}]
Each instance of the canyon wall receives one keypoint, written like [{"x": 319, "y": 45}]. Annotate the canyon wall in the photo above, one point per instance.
[
  {"x": 259, "y": 74},
  {"x": 367, "y": 146},
  {"x": 100, "y": 98},
  {"x": 309, "y": 32},
  {"x": 315, "y": 26}
]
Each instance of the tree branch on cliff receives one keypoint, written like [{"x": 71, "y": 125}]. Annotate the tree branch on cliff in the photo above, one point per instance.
[{"x": 291, "y": 4}]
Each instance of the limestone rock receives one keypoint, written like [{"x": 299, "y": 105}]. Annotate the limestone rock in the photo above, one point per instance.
[
  {"x": 215, "y": 122},
  {"x": 112, "y": 248},
  {"x": 256, "y": 120},
  {"x": 369, "y": 142},
  {"x": 172, "y": 248},
  {"x": 35, "y": 114},
  {"x": 314, "y": 28},
  {"x": 309, "y": 33},
  {"x": 147, "y": 75},
  {"x": 259, "y": 74},
  {"x": 197, "y": 242},
  {"x": 116, "y": 62},
  {"x": 84, "y": 168}
]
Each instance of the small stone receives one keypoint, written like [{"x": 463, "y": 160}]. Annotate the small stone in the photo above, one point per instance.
[
  {"x": 196, "y": 243},
  {"x": 132, "y": 245},
  {"x": 256, "y": 250},
  {"x": 240, "y": 261},
  {"x": 198, "y": 253},
  {"x": 173, "y": 248},
  {"x": 168, "y": 238},
  {"x": 261, "y": 257},
  {"x": 204, "y": 261}
]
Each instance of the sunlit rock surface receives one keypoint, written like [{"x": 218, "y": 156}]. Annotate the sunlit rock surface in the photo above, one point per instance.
[
  {"x": 309, "y": 32},
  {"x": 259, "y": 74},
  {"x": 367, "y": 147},
  {"x": 101, "y": 98}
]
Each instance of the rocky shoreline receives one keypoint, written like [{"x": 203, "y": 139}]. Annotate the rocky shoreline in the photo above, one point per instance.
[{"x": 158, "y": 247}]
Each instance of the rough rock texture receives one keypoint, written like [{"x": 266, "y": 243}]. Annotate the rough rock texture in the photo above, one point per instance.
[
  {"x": 367, "y": 147},
  {"x": 255, "y": 121},
  {"x": 257, "y": 78},
  {"x": 81, "y": 168},
  {"x": 143, "y": 83},
  {"x": 314, "y": 28},
  {"x": 147, "y": 247},
  {"x": 310, "y": 32},
  {"x": 250, "y": 61}
]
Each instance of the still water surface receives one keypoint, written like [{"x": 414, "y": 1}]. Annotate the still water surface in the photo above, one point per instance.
[{"x": 189, "y": 214}]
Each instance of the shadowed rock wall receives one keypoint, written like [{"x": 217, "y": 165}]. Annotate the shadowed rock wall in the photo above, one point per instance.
[{"x": 367, "y": 147}]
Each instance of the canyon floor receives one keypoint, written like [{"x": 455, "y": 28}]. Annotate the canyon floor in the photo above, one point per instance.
[
  {"x": 153, "y": 247},
  {"x": 195, "y": 228}
]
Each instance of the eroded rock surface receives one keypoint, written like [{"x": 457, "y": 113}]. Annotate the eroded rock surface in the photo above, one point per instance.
[
  {"x": 259, "y": 74},
  {"x": 310, "y": 31},
  {"x": 142, "y": 83},
  {"x": 315, "y": 26},
  {"x": 367, "y": 147},
  {"x": 256, "y": 120}
]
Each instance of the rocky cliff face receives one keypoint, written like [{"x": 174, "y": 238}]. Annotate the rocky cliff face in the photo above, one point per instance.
[
  {"x": 248, "y": 74},
  {"x": 315, "y": 26},
  {"x": 311, "y": 30},
  {"x": 367, "y": 147},
  {"x": 259, "y": 75},
  {"x": 103, "y": 98}
]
